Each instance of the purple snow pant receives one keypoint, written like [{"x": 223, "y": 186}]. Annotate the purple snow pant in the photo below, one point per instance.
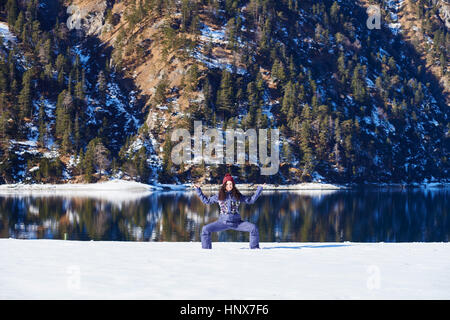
[{"x": 227, "y": 222}]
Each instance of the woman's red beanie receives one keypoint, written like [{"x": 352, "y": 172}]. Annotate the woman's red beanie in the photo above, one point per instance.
[{"x": 227, "y": 177}]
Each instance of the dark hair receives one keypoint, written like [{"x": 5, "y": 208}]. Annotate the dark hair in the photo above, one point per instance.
[{"x": 235, "y": 192}]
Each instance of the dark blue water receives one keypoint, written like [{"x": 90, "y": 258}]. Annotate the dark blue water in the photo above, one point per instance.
[{"x": 364, "y": 215}]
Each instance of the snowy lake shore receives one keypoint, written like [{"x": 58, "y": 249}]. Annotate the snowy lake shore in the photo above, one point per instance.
[
  {"x": 133, "y": 186},
  {"x": 58, "y": 269}
]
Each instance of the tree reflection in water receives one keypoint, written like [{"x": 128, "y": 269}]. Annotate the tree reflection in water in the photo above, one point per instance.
[{"x": 366, "y": 215}]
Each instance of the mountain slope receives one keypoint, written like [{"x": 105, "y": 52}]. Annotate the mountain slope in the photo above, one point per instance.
[{"x": 353, "y": 104}]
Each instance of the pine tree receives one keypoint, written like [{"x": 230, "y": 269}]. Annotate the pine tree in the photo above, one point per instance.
[
  {"x": 161, "y": 88},
  {"x": 142, "y": 166},
  {"x": 193, "y": 78},
  {"x": 348, "y": 134},
  {"x": 305, "y": 144},
  {"x": 64, "y": 107},
  {"x": 35, "y": 33},
  {"x": 186, "y": 12},
  {"x": 225, "y": 100},
  {"x": 42, "y": 123},
  {"x": 61, "y": 78},
  {"x": 61, "y": 62},
  {"x": 306, "y": 139},
  {"x": 18, "y": 25},
  {"x": 114, "y": 166},
  {"x": 342, "y": 69},
  {"x": 77, "y": 134},
  {"x": 13, "y": 11},
  {"x": 44, "y": 168},
  {"x": 259, "y": 82},
  {"x": 418, "y": 95},
  {"x": 252, "y": 98},
  {"x": 337, "y": 143},
  {"x": 322, "y": 146},
  {"x": 70, "y": 83},
  {"x": 4, "y": 114},
  {"x": 289, "y": 102},
  {"x": 195, "y": 25},
  {"x": 45, "y": 52},
  {"x": 334, "y": 13},
  {"x": 358, "y": 80},
  {"x": 32, "y": 9},
  {"x": 443, "y": 64},
  {"x": 101, "y": 86},
  {"x": 287, "y": 152},
  {"x": 25, "y": 96},
  {"x": 3, "y": 77},
  {"x": 79, "y": 96},
  {"x": 278, "y": 70},
  {"x": 165, "y": 174},
  {"x": 88, "y": 165},
  {"x": 231, "y": 34},
  {"x": 261, "y": 119},
  {"x": 66, "y": 141}
]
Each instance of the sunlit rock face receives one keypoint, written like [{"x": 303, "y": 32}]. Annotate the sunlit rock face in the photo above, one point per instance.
[
  {"x": 444, "y": 12},
  {"x": 87, "y": 16}
]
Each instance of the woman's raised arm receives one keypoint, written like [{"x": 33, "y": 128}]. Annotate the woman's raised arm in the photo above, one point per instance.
[
  {"x": 252, "y": 199},
  {"x": 203, "y": 198}
]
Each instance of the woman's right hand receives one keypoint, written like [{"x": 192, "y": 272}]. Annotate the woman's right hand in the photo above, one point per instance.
[{"x": 197, "y": 185}]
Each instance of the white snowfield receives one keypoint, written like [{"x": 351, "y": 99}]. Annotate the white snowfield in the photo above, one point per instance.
[
  {"x": 133, "y": 186},
  {"x": 113, "y": 185},
  {"x": 58, "y": 269},
  {"x": 6, "y": 34}
]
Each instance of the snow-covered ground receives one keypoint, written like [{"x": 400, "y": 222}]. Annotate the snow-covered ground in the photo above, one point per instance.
[
  {"x": 133, "y": 186},
  {"x": 58, "y": 269},
  {"x": 98, "y": 188},
  {"x": 123, "y": 188},
  {"x": 6, "y": 34},
  {"x": 111, "y": 185}
]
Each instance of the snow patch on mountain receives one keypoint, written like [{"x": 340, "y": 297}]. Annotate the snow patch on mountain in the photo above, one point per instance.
[{"x": 8, "y": 37}]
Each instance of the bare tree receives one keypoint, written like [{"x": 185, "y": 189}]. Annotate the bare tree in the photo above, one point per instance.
[
  {"x": 101, "y": 158},
  {"x": 130, "y": 169}
]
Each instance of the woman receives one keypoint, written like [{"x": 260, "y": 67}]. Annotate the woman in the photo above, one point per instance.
[{"x": 229, "y": 199}]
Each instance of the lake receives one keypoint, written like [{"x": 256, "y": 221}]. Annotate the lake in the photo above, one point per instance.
[{"x": 361, "y": 215}]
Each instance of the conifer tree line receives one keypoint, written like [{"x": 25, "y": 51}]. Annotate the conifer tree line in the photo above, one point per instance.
[
  {"x": 352, "y": 104},
  {"x": 43, "y": 97}
]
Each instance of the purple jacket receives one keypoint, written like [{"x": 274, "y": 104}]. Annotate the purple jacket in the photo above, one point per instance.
[{"x": 230, "y": 204}]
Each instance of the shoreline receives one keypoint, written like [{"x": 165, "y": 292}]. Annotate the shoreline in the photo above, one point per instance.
[{"x": 133, "y": 186}]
